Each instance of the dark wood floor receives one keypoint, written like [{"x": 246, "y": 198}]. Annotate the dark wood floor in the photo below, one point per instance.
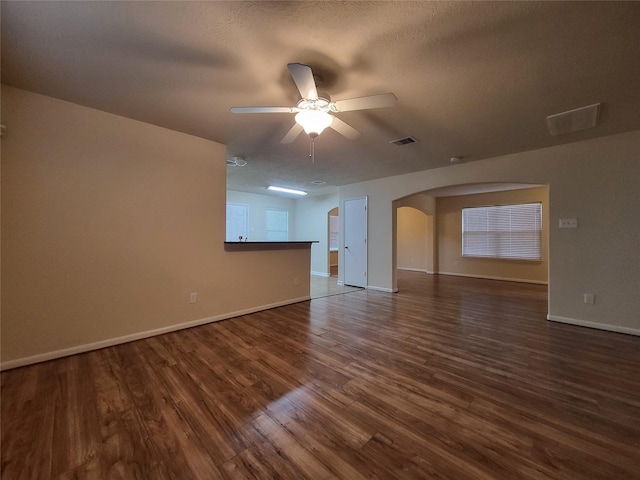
[{"x": 452, "y": 378}]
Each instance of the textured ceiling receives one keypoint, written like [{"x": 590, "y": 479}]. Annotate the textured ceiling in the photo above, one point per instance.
[{"x": 474, "y": 80}]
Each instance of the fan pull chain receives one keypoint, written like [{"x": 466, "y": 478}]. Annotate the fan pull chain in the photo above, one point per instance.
[{"x": 312, "y": 150}]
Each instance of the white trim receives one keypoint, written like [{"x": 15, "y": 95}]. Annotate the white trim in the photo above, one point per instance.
[
  {"x": 413, "y": 269},
  {"x": 596, "y": 325},
  {"x": 488, "y": 277},
  {"x": 321, "y": 274},
  {"x": 65, "y": 352},
  {"x": 381, "y": 289}
]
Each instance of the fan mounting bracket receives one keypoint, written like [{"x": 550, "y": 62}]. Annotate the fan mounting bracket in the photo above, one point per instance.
[{"x": 321, "y": 104}]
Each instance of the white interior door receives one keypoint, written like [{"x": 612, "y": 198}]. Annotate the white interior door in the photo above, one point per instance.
[{"x": 355, "y": 242}]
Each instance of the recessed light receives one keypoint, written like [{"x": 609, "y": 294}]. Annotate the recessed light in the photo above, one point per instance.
[{"x": 286, "y": 190}]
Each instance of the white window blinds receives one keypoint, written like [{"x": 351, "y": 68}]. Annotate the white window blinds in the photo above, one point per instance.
[{"x": 503, "y": 231}]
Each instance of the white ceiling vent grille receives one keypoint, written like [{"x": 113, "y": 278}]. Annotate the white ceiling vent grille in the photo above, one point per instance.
[
  {"x": 574, "y": 120},
  {"x": 401, "y": 142}
]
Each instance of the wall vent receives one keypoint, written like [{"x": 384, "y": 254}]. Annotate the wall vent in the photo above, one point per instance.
[
  {"x": 401, "y": 142},
  {"x": 573, "y": 120}
]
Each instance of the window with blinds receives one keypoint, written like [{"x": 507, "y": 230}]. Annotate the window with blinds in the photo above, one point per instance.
[{"x": 503, "y": 231}]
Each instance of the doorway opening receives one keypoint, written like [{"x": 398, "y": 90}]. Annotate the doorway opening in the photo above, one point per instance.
[
  {"x": 334, "y": 231},
  {"x": 428, "y": 231},
  {"x": 415, "y": 240}
]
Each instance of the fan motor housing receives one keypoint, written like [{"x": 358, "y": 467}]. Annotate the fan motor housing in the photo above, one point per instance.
[{"x": 321, "y": 104}]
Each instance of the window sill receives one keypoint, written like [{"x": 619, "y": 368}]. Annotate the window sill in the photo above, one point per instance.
[{"x": 501, "y": 259}]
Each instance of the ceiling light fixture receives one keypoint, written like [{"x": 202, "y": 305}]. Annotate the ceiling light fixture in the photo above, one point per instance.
[
  {"x": 314, "y": 121},
  {"x": 286, "y": 190}
]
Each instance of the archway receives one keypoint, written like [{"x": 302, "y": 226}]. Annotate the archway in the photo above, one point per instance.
[{"x": 443, "y": 206}]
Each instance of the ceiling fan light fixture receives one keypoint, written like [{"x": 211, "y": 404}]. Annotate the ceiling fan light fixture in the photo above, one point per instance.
[{"x": 314, "y": 121}]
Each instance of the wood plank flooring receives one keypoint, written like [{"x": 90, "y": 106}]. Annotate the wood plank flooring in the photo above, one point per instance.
[{"x": 451, "y": 378}]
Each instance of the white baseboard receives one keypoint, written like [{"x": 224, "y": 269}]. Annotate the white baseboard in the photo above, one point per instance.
[
  {"x": 320, "y": 274},
  {"x": 596, "y": 325},
  {"x": 487, "y": 277},
  {"x": 413, "y": 269},
  {"x": 381, "y": 289},
  {"x": 43, "y": 357}
]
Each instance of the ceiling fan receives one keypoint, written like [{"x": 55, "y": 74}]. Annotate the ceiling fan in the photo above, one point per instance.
[{"x": 315, "y": 113}]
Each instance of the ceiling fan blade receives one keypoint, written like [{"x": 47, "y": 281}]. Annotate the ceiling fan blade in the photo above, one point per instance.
[
  {"x": 303, "y": 77},
  {"x": 292, "y": 134},
  {"x": 344, "y": 129},
  {"x": 263, "y": 110},
  {"x": 363, "y": 103}
]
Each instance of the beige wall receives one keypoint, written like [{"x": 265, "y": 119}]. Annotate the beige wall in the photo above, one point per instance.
[
  {"x": 449, "y": 232},
  {"x": 595, "y": 181},
  {"x": 108, "y": 224},
  {"x": 415, "y": 251}
]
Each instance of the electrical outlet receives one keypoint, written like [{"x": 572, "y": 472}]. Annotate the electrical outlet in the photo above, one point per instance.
[
  {"x": 193, "y": 297},
  {"x": 589, "y": 298},
  {"x": 296, "y": 281},
  {"x": 568, "y": 223}
]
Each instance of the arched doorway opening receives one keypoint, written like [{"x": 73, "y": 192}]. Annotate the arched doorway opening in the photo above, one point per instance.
[
  {"x": 412, "y": 245},
  {"x": 415, "y": 240},
  {"x": 333, "y": 229}
]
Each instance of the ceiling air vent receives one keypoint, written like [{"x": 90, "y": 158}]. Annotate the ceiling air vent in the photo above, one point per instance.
[
  {"x": 573, "y": 120},
  {"x": 401, "y": 142},
  {"x": 318, "y": 182}
]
